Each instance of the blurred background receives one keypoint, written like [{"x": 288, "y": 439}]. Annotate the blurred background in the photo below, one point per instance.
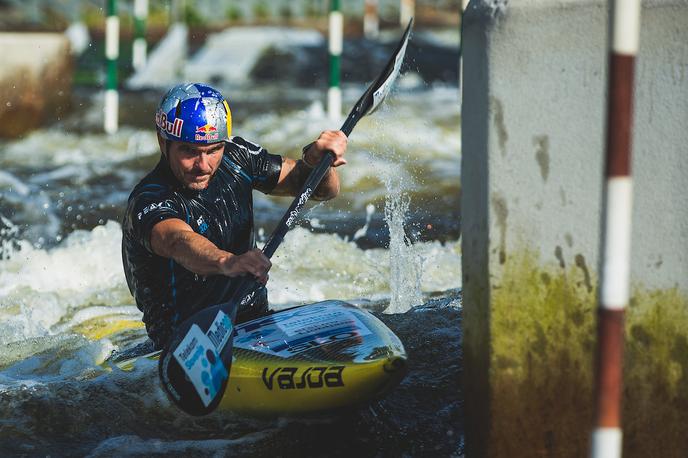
[{"x": 78, "y": 94}]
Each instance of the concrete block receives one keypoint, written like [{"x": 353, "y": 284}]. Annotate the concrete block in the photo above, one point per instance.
[
  {"x": 533, "y": 118},
  {"x": 35, "y": 80}
]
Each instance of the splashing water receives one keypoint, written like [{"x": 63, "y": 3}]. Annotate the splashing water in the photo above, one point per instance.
[
  {"x": 65, "y": 305},
  {"x": 404, "y": 260}
]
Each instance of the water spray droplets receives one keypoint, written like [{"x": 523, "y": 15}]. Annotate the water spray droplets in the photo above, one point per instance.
[{"x": 405, "y": 266}]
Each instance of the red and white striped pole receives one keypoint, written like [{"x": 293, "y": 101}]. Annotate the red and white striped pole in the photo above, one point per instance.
[{"x": 616, "y": 242}]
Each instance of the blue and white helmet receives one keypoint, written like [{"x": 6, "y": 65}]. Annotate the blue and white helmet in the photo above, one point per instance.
[{"x": 194, "y": 113}]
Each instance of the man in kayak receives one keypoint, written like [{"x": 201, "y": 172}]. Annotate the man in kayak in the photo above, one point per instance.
[{"x": 188, "y": 230}]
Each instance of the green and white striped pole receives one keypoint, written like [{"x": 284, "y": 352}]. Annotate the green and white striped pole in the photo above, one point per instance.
[
  {"x": 139, "y": 48},
  {"x": 336, "y": 38},
  {"x": 111, "y": 56}
]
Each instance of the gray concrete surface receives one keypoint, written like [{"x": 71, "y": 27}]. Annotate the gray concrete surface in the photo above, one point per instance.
[{"x": 533, "y": 117}]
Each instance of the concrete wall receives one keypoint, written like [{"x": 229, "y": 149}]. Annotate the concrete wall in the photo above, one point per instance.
[
  {"x": 533, "y": 116},
  {"x": 35, "y": 80}
]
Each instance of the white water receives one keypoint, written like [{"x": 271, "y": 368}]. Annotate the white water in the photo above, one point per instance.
[
  {"x": 165, "y": 64},
  {"x": 242, "y": 46},
  {"x": 48, "y": 296},
  {"x": 53, "y": 178},
  {"x": 46, "y": 293},
  {"x": 64, "y": 303},
  {"x": 405, "y": 258}
]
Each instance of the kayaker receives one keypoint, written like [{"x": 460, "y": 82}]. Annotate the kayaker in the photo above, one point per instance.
[{"x": 188, "y": 229}]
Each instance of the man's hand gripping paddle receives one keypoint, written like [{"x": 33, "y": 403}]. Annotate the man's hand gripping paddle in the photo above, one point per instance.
[{"x": 194, "y": 366}]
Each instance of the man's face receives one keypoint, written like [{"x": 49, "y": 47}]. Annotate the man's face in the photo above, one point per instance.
[{"x": 193, "y": 165}]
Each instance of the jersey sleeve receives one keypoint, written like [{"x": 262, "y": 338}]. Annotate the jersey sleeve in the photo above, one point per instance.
[
  {"x": 147, "y": 208},
  {"x": 264, "y": 168}
]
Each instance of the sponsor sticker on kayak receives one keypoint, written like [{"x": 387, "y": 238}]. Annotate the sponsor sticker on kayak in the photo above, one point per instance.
[
  {"x": 199, "y": 358},
  {"x": 289, "y": 378},
  {"x": 307, "y": 322},
  {"x": 286, "y": 334}
]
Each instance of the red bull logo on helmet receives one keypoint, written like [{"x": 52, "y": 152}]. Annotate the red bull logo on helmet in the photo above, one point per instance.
[
  {"x": 206, "y": 133},
  {"x": 172, "y": 128}
]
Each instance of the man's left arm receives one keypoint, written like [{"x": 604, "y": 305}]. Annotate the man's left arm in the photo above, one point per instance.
[{"x": 294, "y": 173}]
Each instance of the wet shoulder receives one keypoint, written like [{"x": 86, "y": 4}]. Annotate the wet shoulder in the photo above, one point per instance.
[
  {"x": 154, "y": 194},
  {"x": 240, "y": 156},
  {"x": 154, "y": 185},
  {"x": 257, "y": 165},
  {"x": 243, "y": 147}
]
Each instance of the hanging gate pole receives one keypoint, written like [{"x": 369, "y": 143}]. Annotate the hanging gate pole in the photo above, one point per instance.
[
  {"x": 139, "y": 48},
  {"x": 111, "y": 56},
  {"x": 616, "y": 242},
  {"x": 336, "y": 38}
]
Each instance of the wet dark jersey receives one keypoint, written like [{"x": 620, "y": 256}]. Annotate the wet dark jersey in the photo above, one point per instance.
[{"x": 164, "y": 291}]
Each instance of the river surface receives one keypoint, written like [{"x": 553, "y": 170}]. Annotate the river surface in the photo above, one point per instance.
[{"x": 389, "y": 242}]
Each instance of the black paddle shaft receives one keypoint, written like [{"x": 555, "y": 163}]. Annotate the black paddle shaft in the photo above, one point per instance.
[{"x": 360, "y": 109}]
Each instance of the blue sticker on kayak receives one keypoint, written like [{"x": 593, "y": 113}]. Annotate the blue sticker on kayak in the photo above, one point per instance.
[{"x": 200, "y": 360}]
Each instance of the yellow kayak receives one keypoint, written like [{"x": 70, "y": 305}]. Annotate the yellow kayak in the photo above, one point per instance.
[{"x": 310, "y": 358}]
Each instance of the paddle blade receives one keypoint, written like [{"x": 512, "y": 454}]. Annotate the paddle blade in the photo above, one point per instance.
[
  {"x": 378, "y": 90},
  {"x": 389, "y": 76},
  {"x": 194, "y": 366}
]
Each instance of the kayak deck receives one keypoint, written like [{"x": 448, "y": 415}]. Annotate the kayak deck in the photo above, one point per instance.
[{"x": 310, "y": 358}]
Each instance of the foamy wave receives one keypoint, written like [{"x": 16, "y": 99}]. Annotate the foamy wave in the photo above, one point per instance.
[
  {"x": 40, "y": 361},
  {"x": 39, "y": 288},
  {"x": 84, "y": 261},
  {"x": 311, "y": 267},
  {"x": 91, "y": 152},
  {"x": 45, "y": 292}
]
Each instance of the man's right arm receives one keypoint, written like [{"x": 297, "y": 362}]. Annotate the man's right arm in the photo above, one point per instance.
[{"x": 173, "y": 238}]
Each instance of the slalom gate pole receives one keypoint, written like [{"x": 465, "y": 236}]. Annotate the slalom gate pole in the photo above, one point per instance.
[
  {"x": 336, "y": 38},
  {"x": 139, "y": 47},
  {"x": 616, "y": 239},
  {"x": 111, "y": 110}
]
